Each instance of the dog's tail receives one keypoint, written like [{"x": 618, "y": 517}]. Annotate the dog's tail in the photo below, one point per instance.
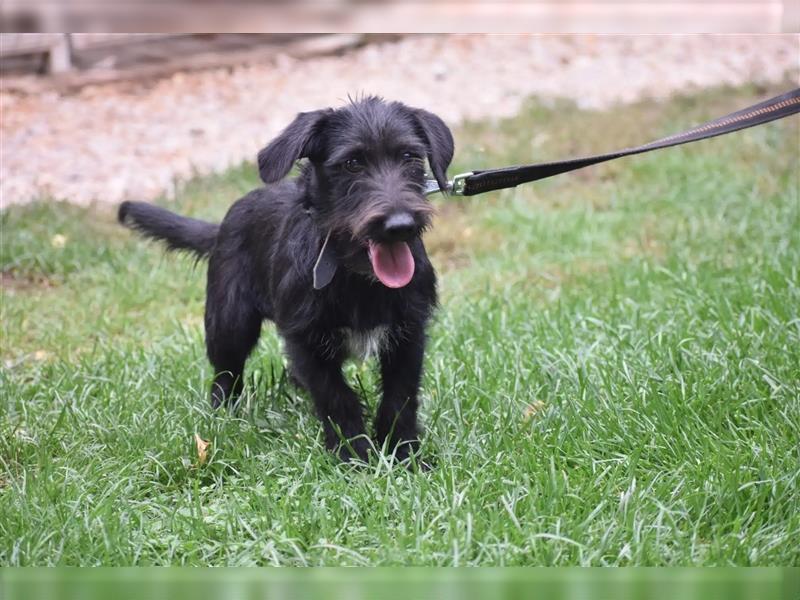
[{"x": 180, "y": 233}]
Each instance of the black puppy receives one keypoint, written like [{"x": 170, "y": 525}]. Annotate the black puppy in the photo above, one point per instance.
[{"x": 334, "y": 257}]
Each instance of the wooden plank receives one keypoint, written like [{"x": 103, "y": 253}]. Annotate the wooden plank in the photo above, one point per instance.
[
  {"x": 16, "y": 44},
  {"x": 73, "y": 81}
]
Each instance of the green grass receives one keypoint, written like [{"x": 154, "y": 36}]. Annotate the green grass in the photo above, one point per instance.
[{"x": 613, "y": 377}]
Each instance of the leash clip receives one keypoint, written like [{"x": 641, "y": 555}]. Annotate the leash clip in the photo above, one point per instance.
[
  {"x": 459, "y": 183},
  {"x": 455, "y": 187}
]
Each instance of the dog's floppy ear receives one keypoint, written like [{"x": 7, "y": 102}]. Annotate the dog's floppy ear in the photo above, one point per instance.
[
  {"x": 440, "y": 144},
  {"x": 293, "y": 143}
]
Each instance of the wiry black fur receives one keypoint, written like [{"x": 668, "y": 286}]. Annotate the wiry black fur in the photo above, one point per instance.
[{"x": 262, "y": 255}]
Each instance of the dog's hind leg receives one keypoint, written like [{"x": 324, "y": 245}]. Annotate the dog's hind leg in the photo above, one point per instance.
[
  {"x": 233, "y": 326},
  {"x": 339, "y": 408},
  {"x": 229, "y": 342},
  {"x": 401, "y": 372}
]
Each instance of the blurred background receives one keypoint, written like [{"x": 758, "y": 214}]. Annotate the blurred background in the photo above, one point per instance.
[
  {"x": 106, "y": 117},
  {"x": 619, "y": 16}
]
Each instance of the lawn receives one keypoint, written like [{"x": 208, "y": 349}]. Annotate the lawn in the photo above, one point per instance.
[{"x": 613, "y": 377}]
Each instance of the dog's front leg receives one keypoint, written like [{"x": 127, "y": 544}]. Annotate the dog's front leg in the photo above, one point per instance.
[
  {"x": 401, "y": 371},
  {"x": 319, "y": 371}
]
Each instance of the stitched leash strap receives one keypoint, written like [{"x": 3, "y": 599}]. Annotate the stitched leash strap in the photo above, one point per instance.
[{"x": 478, "y": 182}]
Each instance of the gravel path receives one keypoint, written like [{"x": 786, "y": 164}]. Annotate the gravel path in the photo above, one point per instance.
[{"x": 134, "y": 141}]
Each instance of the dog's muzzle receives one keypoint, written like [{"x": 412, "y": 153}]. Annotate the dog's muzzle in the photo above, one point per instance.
[{"x": 388, "y": 250}]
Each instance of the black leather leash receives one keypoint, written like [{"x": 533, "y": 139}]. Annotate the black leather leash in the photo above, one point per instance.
[{"x": 478, "y": 182}]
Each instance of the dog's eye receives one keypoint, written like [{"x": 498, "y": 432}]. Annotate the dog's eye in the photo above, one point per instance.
[
  {"x": 353, "y": 165},
  {"x": 409, "y": 156}
]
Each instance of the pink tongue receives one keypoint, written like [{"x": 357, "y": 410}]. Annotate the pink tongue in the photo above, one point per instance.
[{"x": 392, "y": 263}]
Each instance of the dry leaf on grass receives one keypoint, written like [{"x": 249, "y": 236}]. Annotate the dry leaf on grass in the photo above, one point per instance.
[
  {"x": 202, "y": 449},
  {"x": 533, "y": 408}
]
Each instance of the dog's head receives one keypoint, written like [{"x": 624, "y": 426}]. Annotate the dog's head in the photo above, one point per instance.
[{"x": 368, "y": 165}]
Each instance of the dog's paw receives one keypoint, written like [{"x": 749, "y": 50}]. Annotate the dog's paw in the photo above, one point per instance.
[
  {"x": 415, "y": 463},
  {"x": 408, "y": 455},
  {"x": 293, "y": 380},
  {"x": 356, "y": 449}
]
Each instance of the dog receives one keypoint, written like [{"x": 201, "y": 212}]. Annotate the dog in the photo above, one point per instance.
[{"x": 334, "y": 257}]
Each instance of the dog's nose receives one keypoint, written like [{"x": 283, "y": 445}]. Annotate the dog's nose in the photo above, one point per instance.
[{"x": 399, "y": 226}]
